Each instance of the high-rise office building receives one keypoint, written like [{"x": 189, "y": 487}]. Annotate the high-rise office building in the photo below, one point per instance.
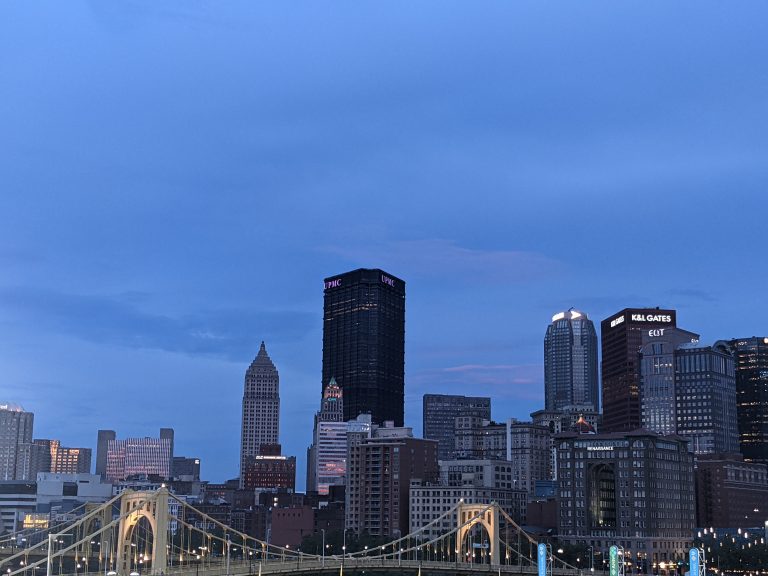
[
  {"x": 752, "y": 396},
  {"x": 439, "y": 418},
  {"x": 705, "y": 397},
  {"x": 570, "y": 362},
  {"x": 657, "y": 377},
  {"x": 364, "y": 343},
  {"x": 63, "y": 460},
  {"x": 622, "y": 338},
  {"x": 529, "y": 451},
  {"x": 140, "y": 456},
  {"x": 15, "y": 430},
  {"x": 102, "y": 445},
  {"x": 328, "y": 454},
  {"x": 261, "y": 408}
]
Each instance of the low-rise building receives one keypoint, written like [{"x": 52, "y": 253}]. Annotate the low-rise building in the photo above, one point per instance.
[{"x": 730, "y": 492}]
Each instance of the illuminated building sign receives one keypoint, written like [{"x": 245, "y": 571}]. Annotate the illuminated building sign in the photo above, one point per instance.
[
  {"x": 656, "y": 332},
  {"x": 332, "y": 283},
  {"x": 651, "y": 318},
  {"x": 616, "y": 321},
  {"x": 589, "y": 448},
  {"x": 387, "y": 280}
]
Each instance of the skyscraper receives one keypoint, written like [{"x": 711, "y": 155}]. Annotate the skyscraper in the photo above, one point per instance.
[
  {"x": 328, "y": 454},
  {"x": 439, "y": 418},
  {"x": 657, "y": 378},
  {"x": 752, "y": 396},
  {"x": 364, "y": 342},
  {"x": 134, "y": 456},
  {"x": 622, "y": 337},
  {"x": 570, "y": 362},
  {"x": 705, "y": 397},
  {"x": 15, "y": 430},
  {"x": 102, "y": 445},
  {"x": 261, "y": 408}
]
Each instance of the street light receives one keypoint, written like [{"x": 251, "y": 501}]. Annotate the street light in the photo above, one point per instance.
[
  {"x": 591, "y": 558},
  {"x": 344, "y": 547},
  {"x": 323, "y": 531}
]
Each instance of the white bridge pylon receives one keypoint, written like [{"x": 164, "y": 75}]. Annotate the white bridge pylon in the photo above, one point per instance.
[
  {"x": 133, "y": 507},
  {"x": 467, "y": 516}
]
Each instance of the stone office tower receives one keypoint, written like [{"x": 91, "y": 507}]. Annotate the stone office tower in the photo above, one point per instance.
[{"x": 261, "y": 408}]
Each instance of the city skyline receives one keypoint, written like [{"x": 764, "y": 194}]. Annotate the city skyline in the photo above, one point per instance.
[{"x": 162, "y": 216}]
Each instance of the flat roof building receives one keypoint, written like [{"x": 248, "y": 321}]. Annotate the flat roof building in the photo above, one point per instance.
[
  {"x": 439, "y": 418},
  {"x": 621, "y": 338},
  {"x": 364, "y": 343},
  {"x": 634, "y": 490}
]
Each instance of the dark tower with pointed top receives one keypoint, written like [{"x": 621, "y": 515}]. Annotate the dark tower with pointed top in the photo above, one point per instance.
[
  {"x": 364, "y": 342},
  {"x": 261, "y": 407}
]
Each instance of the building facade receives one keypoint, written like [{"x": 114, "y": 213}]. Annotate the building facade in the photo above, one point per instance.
[
  {"x": 261, "y": 407},
  {"x": 380, "y": 469},
  {"x": 428, "y": 502},
  {"x": 705, "y": 397},
  {"x": 631, "y": 489},
  {"x": 364, "y": 343},
  {"x": 15, "y": 431},
  {"x": 328, "y": 454},
  {"x": 529, "y": 451},
  {"x": 621, "y": 340},
  {"x": 751, "y": 356},
  {"x": 477, "y": 438},
  {"x": 657, "y": 377},
  {"x": 730, "y": 493},
  {"x": 266, "y": 473},
  {"x": 140, "y": 456},
  {"x": 102, "y": 444},
  {"x": 570, "y": 362},
  {"x": 439, "y": 418}
]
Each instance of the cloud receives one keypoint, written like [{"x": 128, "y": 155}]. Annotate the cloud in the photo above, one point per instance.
[
  {"x": 444, "y": 259},
  {"x": 230, "y": 333},
  {"x": 523, "y": 381},
  {"x": 693, "y": 294}
]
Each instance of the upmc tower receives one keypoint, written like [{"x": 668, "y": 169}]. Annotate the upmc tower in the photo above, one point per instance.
[
  {"x": 364, "y": 342},
  {"x": 622, "y": 336}
]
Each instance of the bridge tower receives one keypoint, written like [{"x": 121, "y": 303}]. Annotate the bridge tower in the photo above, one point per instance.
[
  {"x": 104, "y": 517},
  {"x": 488, "y": 517},
  {"x": 154, "y": 507}
]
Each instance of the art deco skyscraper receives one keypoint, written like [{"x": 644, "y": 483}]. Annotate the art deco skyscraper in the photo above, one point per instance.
[
  {"x": 261, "y": 408},
  {"x": 364, "y": 343},
  {"x": 328, "y": 454},
  {"x": 570, "y": 362}
]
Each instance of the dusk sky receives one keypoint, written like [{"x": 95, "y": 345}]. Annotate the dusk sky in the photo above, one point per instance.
[{"x": 178, "y": 177}]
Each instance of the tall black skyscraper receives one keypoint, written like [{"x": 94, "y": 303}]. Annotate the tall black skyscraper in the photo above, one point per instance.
[
  {"x": 570, "y": 362},
  {"x": 752, "y": 396},
  {"x": 364, "y": 342}
]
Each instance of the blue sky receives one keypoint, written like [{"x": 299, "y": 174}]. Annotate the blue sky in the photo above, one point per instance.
[{"x": 177, "y": 178}]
